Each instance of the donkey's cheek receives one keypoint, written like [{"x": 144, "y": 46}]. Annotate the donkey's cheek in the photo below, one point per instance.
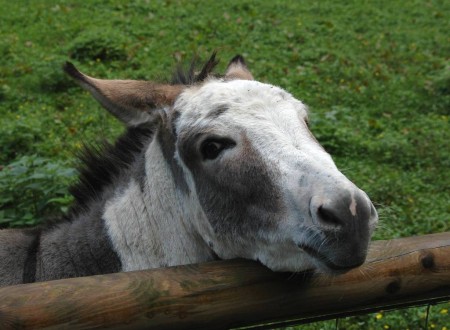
[{"x": 242, "y": 202}]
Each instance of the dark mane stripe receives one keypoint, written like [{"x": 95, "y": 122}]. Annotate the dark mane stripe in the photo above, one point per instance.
[
  {"x": 102, "y": 165},
  {"x": 29, "y": 269}
]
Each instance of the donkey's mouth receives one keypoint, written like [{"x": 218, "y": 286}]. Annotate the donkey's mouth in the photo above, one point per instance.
[{"x": 330, "y": 266}]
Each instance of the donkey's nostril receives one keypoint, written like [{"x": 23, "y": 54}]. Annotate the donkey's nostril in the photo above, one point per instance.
[{"x": 329, "y": 217}]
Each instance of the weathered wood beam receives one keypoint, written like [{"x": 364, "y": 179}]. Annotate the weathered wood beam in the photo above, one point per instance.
[{"x": 225, "y": 294}]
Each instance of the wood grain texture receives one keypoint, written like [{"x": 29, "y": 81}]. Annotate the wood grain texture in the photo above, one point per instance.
[{"x": 225, "y": 294}]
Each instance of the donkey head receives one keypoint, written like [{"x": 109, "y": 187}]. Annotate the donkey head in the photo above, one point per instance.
[{"x": 259, "y": 185}]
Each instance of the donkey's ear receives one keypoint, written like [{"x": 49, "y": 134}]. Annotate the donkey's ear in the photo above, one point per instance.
[
  {"x": 131, "y": 101},
  {"x": 237, "y": 69}
]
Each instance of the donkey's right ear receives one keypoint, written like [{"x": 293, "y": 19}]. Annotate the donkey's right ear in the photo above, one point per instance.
[
  {"x": 131, "y": 101},
  {"x": 237, "y": 69}
]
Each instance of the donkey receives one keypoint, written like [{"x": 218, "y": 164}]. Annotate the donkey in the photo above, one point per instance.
[{"x": 210, "y": 167}]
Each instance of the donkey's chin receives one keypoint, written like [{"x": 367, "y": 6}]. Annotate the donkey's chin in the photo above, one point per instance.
[
  {"x": 287, "y": 260},
  {"x": 324, "y": 264},
  {"x": 300, "y": 258}
]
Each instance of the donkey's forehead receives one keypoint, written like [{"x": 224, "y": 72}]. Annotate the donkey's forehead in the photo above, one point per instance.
[{"x": 234, "y": 98}]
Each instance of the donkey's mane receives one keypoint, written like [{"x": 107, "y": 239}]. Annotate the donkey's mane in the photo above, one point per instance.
[
  {"x": 101, "y": 165},
  {"x": 104, "y": 163},
  {"x": 190, "y": 75}
]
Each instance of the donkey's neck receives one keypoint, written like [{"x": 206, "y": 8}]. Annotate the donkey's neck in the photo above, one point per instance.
[{"x": 150, "y": 221}]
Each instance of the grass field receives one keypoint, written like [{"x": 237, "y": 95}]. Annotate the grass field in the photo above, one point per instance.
[{"x": 376, "y": 76}]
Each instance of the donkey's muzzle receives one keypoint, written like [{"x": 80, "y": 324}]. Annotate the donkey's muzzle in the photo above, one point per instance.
[{"x": 346, "y": 220}]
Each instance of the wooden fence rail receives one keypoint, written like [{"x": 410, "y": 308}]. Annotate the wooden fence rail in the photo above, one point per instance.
[{"x": 234, "y": 293}]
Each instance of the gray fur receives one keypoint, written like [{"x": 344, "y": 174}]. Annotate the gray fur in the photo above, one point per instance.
[
  {"x": 68, "y": 249},
  {"x": 14, "y": 244},
  {"x": 250, "y": 198}
]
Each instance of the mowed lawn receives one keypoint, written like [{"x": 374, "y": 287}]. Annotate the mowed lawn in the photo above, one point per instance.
[{"x": 375, "y": 75}]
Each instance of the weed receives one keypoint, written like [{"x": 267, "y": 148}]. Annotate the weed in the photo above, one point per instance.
[{"x": 33, "y": 189}]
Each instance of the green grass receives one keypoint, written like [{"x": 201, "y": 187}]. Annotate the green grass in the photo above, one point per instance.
[{"x": 375, "y": 75}]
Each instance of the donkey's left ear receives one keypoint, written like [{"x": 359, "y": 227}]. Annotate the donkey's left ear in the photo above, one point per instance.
[
  {"x": 237, "y": 69},
  {"x": 131, "y": 101}
]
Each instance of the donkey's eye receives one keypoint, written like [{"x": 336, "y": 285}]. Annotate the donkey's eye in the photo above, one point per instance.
[{"x": 212, "y": 148}]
